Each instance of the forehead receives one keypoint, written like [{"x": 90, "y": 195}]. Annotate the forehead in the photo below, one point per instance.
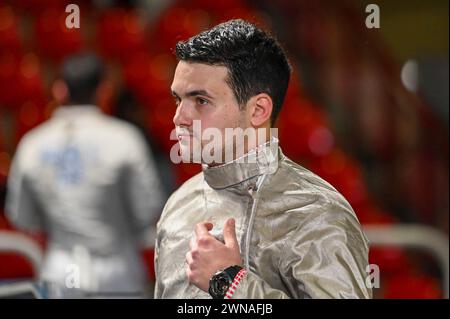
[{"x": 198, "y": 76}]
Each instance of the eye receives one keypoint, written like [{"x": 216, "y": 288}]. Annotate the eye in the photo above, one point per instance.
[
  {"x": 177, "y": 100},
  {"x": 202, "y": 101}
]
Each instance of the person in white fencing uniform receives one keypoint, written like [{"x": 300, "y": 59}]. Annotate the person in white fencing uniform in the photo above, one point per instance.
[{"x": 87, "y": 180}]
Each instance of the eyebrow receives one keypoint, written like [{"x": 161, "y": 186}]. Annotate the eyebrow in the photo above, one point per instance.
[{"x": 193, "y": 93}]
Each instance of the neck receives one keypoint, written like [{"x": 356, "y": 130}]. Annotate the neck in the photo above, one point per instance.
[{"x": 259, "y": 161}]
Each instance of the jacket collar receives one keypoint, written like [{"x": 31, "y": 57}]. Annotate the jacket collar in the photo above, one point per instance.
[{"x": 257, "y": 162}]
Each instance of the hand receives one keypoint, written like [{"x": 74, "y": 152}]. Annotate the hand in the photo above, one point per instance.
[{"x": 207, "y": 255}]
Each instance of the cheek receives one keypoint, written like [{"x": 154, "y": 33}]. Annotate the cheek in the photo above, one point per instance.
[
  {"x": 228, "y": 116},
  {"x": 231, "y": 117}
]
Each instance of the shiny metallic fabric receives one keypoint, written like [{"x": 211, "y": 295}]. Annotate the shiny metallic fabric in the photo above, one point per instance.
[{"x": 299, "y": 238}]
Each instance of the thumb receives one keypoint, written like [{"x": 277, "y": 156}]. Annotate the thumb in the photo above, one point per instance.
[
  {"x": 209, "y": 226},
  {"x": 203, "y": 228},
  {"x": 229, "y": 233}
]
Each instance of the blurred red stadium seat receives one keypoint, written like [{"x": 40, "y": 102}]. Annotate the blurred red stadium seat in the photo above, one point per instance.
[
  {"x": 22, "y": 91},
  {"x": 187, "y": 18},
  {"x": 148, "y": 255},
  {"x": 345, "y": 174},
  {"x": 50, "y": 24},
  {"x": 2, "y": 138},
  {"x": 370, "y": 214},
  {"x": 169, "y": 29},
  {"x": 300, "y": 118},
  {"x": 390, "y": 260},
  {"x": 38, "y": 6},
  {"x": 410, "y": 285},
  {"x": 4, "y": 223},
  {"x": 120, "y": 34},
  {"x": 9, "y": 92},
  {"x": 5, "y": 162},
  {"x": 145, "y": 70},
  {"x": 15, "y": 266},
  {"x": 9, "y": 36},
  {"x": 185, "y": 171}
]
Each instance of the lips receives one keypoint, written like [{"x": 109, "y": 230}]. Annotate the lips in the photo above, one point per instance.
[
  {"x": 183, "y": 133},
  {"x": 183, "y": 136}
]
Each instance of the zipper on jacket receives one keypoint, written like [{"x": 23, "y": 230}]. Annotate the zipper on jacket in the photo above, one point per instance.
[{"x": 254, "y": 193}]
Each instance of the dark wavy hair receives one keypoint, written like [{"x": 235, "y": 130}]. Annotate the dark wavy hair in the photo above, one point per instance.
[
  {"x": 255, "y": 60},
  {"x": 82, "y": 73}
]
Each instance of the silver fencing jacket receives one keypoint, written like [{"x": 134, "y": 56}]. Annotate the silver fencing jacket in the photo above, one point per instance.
[
  {"x": 299, "y": 238},
  {"x": 86, "y": 180}
]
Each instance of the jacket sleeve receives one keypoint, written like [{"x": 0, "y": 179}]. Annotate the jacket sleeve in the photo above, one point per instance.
[
  {"x": 142, "y": 188},
  {"x": 254, "y": 287},
  {"x": 22, "y": 208},
  {"x": 324, "y": 258},
  {"x": 157, "y": 289}
]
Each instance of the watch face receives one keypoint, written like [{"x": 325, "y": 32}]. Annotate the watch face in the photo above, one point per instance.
[{"x": 219, "y": 285}]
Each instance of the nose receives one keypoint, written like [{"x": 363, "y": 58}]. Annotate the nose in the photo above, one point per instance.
[{"x": 182, "y": 115}]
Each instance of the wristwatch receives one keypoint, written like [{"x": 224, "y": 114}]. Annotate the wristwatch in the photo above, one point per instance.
[{"x": 221, "y": 281}]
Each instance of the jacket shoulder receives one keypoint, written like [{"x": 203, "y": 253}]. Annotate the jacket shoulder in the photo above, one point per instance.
[
  {"x": 302, "y": 192},
  {"x": 313, "y": 204}
]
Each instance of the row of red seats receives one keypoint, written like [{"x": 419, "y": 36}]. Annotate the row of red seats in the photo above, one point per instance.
[{"x": 23, "y": 92}]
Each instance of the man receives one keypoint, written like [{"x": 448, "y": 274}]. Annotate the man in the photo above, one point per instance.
[
  {"x": 258, "y": 226},
  {"x": 86, "y": 180}
]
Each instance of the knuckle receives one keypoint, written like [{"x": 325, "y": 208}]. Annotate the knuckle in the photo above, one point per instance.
[
  {"x": 195, "y": 254},
  {"x": 202, "y": 240},
  {"x": 191, "y": 276}
]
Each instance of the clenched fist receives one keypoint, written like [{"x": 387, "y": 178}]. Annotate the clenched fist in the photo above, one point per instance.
[{"x": 207, "y": 255}]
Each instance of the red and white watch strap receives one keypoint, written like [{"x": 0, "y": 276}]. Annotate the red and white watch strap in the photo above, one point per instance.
[{"x": 235, "y": 283}]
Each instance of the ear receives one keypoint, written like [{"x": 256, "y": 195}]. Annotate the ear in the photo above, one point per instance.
[
  {"x": 262, "y": 110},
  {"x": 60, "y": 91}
]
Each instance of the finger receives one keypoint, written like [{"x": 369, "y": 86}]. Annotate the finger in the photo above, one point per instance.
[
  {"x": 203, "y": 228},
  {"x": 192, "y": 244},
  {"x": 189, "y": 259},
  {"x": 189, "y": 275},
  {"x": 229, "y": 233}
]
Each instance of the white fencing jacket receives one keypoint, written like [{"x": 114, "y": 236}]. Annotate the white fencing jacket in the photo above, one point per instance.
[{"x": 87, "y": 180}]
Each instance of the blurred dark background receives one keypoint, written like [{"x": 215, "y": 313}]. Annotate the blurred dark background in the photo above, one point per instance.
[{"x": 367, "y": 109}]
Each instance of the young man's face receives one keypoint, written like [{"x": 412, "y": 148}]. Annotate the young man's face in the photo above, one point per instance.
[{"x": 202, "y": 93}]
